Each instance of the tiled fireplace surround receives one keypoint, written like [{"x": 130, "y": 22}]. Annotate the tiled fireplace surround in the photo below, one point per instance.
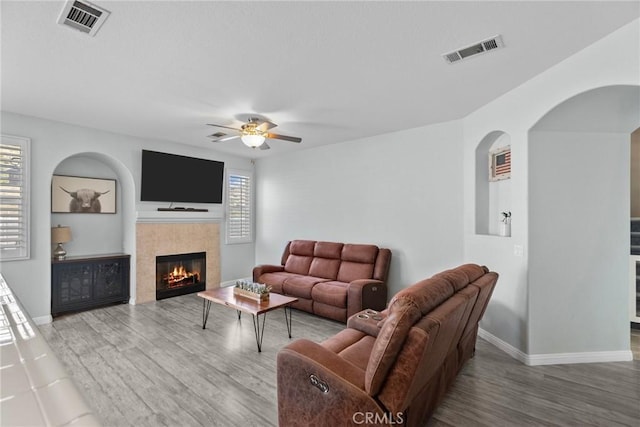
[{"x": 154, "y": 239}]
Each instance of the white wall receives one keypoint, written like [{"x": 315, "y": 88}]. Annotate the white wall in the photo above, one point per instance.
[
  {"x": 400, "y": 190},
  {"x": 51, "y": 144},
  {"x": 579, "y": 242},
  {"x": 509, "y": 315}
]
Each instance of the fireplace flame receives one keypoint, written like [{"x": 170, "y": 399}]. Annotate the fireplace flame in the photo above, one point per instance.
[{"x": 180, "y": 275}]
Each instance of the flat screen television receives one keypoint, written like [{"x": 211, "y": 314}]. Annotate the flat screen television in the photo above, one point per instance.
[{"x": 173, "y": 178}]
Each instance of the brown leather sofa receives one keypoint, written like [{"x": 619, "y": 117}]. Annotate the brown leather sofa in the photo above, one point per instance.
[
  {"x": 334, "y": 280},
  {"x": 392, "y": 367}
]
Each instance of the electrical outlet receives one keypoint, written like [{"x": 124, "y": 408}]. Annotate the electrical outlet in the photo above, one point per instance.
[{"x": 518, "y": 250}]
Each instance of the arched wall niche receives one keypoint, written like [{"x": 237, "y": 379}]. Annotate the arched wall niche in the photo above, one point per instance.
[
  {"x": 94, "y": 234},
  {"x": 492, "y": 197}
]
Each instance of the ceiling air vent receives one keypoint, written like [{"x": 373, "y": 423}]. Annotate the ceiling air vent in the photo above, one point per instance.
[
  {"x": 481, "y": 47},
  {"x": 83, "y": 16}
]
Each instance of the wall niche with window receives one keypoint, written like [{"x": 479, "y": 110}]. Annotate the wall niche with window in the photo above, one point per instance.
[{"x": 493, "y": 185}]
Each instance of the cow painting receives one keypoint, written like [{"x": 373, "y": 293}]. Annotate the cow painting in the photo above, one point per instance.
[{"x": 84, "y": 200}]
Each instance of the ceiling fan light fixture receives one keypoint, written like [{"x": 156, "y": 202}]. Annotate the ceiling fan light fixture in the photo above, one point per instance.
[
  {"x": 253, "y": 134},
  {"x": 253, "y": 140}
]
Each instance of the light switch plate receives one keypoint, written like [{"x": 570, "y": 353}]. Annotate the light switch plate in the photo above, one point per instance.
[{"x": 518, "y": 250}]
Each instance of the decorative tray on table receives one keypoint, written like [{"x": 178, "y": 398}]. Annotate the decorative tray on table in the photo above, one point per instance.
[{"x": 255, "y": 291}]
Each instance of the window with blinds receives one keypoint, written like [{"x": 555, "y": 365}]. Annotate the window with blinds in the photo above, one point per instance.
[
  {"x": 239, "y": 225},
  {"x": 14, "y": 198}
]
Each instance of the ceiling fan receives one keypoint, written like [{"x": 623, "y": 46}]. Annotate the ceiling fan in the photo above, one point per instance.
[{"x": 253, "y": 133}]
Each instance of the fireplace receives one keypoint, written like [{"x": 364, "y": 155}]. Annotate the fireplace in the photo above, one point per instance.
[{"x": 180, "y": 274}]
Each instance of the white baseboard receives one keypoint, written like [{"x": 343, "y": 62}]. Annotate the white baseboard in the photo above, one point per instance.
[
  {"x": 586, "y": 357},
  {"x": 503, "y": 345},
  {"x": 556, "y": 358},
  {"x": 42, "y": 320}
]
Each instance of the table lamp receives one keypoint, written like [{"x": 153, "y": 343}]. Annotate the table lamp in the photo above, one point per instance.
[{"x": 60, "y": 235}]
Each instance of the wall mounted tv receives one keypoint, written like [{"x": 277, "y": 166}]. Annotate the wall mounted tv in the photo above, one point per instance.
[{"x": 173, "y": 178}]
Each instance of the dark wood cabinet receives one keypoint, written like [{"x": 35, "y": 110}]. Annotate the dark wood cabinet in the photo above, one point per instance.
[{"x": 81, "y": 283}]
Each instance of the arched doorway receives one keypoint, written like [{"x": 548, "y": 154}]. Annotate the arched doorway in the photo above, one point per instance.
[{"x": 579, "y": 214}]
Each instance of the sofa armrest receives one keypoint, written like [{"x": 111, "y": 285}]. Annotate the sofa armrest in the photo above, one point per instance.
[
  {"x": 368, "y": 321},
  {"x": 366, "y": 293},
  {"x": 259, "y": 270},
  {"x": 318, "y": 387}
]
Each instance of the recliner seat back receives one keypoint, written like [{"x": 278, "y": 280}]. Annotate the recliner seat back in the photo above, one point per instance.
[
  {"x": 343, "y": 262},
  {"x": 425, "y": 323}
]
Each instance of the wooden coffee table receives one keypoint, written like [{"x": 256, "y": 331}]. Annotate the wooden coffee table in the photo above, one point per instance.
[{"x": 225, "y": 296}]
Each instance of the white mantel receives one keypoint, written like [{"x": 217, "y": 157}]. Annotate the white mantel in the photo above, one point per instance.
[{"x": 214, "y": 215}]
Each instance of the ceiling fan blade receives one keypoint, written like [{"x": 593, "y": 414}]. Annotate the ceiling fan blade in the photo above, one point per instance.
[
  {"x": 283, "y": 137},
  {"x": 227, "y": 138},
  {"x": 220, "y": 126},
  {"x": 221, "y": 136},
  {"x": 265, "y": 125},
  {"x": 264, "y": 146}
]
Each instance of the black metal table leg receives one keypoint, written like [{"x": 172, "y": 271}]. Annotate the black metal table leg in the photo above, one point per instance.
[
  {"x": 287, "y": 319},
  {"x": 259, "y": 331},
  {"x": 206, "y": 306}
]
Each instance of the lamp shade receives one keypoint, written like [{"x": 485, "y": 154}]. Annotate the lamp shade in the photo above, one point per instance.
[
  {"x": 60, "y": 234},
  {"x": 253, "y": 140}
]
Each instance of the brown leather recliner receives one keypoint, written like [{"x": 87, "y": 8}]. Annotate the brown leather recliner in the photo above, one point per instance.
[
  {"x": 392, "y": 367},
  {"x": 334, "y": 280}
]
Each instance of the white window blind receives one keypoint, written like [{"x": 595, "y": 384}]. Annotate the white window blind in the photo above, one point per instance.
[
  {"x": 239, "y": 225},
  {"x": 14, "y": 198}
]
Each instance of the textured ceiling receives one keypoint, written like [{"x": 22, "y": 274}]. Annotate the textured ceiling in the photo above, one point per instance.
[{"x": 328, "y": 72}]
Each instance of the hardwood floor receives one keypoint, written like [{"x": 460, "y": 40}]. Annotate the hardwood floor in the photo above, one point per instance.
[{"x": 154, "y": 365}]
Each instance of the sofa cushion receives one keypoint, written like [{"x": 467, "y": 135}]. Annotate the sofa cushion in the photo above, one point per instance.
[
  {"x": 484, "y": 285},
  {"x": 350, "y": 271},
  {"x": 298, "y": 264},
  {"x": 358, "y": 353},
  {"x": 357, "y": 262},
  {"x": 325, "y": 267},
  {"x": 403, "y": 313},
  {"x": 461, "y": 276},
  {"x": 473, "y": 271},
  {"x": 300, "y": 256},
  {"x": 329, "y": 250},
  {"x": 330, "y": 311},
  {"x": 303, "y": 304},
  {"x": 301, "y": 286},
  {"x": 365, "y": 254},
  {"x": 426, "y": 294},
  {"x": 330, "y": 293},
  {"x": 275, "y": 280},
  {"x": 457, "y": 279},
  {"x": 381, "y": 268},
  {"x": 302, "y": 247},
  {"x": 342, "y": 340}
]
